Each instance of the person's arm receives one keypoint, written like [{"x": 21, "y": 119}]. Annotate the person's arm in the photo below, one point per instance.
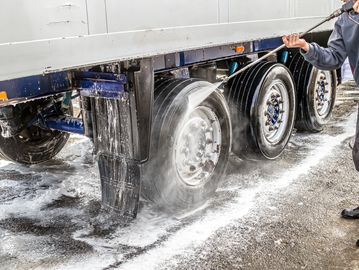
[{"x": 323, "y": 58}]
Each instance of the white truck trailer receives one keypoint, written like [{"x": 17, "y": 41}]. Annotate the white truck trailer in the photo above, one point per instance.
[{"x": 140, "y": 69}]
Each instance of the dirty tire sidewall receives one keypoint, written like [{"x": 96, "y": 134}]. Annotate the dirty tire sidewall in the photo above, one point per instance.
[
  {"x": 312, "y": 121},
  {"x": 34, "y": 151},
  {"x": 161, "y": 182},
  {"x": 268, "y": 150},
  {"x": 14, "y": 149}
]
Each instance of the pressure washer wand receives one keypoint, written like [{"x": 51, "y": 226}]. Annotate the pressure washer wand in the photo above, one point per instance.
[{"x": 347, "y": 7}]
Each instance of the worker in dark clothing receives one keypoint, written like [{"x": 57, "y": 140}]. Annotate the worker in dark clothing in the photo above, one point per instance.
[{"x": 343, "y": 43}]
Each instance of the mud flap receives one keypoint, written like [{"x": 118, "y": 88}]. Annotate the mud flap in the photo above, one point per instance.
[
  {"x": 117, "y": 116},
  {"x": 119, "y": 172},
  {"x": 120, "y": 182}
]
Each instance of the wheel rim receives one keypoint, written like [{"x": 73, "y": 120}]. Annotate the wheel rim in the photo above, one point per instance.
[
  {"x": 323, "y": 93},
  {"x": 275, "y": 112},
  {"x": 197, "y": 146}
]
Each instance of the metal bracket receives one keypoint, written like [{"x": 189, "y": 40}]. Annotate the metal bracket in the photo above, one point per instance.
[{"x": 99, "y": 84}]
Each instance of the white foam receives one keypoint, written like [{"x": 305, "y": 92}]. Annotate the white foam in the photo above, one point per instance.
[{"x": 4, "y": 163}]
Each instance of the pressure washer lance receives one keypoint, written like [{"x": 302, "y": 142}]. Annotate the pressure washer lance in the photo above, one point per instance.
[{"x": 347, "y": 7}]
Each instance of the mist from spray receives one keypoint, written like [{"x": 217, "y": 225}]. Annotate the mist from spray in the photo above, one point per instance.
[{"x": 195, "y": 98}]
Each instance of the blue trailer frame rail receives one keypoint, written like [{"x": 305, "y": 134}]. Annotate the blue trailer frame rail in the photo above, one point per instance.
[{"x": 21, "y": 89}]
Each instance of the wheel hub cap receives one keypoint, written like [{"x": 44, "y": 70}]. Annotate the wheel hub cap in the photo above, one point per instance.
[
  {"x": 197, "y": 146},
  {"x": 275, "y": 107},
  {"x": 323, "y": 92}
]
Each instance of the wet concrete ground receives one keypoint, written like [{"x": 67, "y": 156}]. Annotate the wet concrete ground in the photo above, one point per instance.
[{"x": 282, "y": 214}]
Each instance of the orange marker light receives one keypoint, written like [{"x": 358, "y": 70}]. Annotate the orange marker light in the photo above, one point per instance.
[
  {"x": 240, "y": 49},
  {"x": 3, "y": 96}
]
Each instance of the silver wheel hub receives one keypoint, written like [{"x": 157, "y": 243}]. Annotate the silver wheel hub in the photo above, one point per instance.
[
  {"x": 275, "y": 112},
  {"x": 197, "y": 146},
  {"x": 323, "y": 93}
]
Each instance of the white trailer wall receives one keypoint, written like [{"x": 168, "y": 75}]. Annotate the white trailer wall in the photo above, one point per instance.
[{"x": 48, "y": 35}]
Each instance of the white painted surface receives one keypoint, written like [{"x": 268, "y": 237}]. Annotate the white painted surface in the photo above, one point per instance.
[
  {"x": 96, "y": 10},
  {"x": 49, "y": 35},
  {"x": 26, "y": 20}
]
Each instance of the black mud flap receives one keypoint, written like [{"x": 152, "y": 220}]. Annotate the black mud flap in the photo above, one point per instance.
[
  {"x": 120, "y": 182},
  {"x": 118, "y": 120},
  {"x": 113, "y": 141}
]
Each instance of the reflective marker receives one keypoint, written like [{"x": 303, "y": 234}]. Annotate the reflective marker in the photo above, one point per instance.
[{"x": 3, "y": 96}]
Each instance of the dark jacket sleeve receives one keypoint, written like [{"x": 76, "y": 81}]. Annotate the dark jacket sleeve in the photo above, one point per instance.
[{"x": 328, "y": 58}]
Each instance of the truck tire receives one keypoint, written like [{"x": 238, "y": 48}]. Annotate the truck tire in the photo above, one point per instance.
[
  {"x": 189, "y": 145},
  {"x": 316, "y": 92},
  {"x": 262, "y": 104},
  {"x": 33, "y": 144}
]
